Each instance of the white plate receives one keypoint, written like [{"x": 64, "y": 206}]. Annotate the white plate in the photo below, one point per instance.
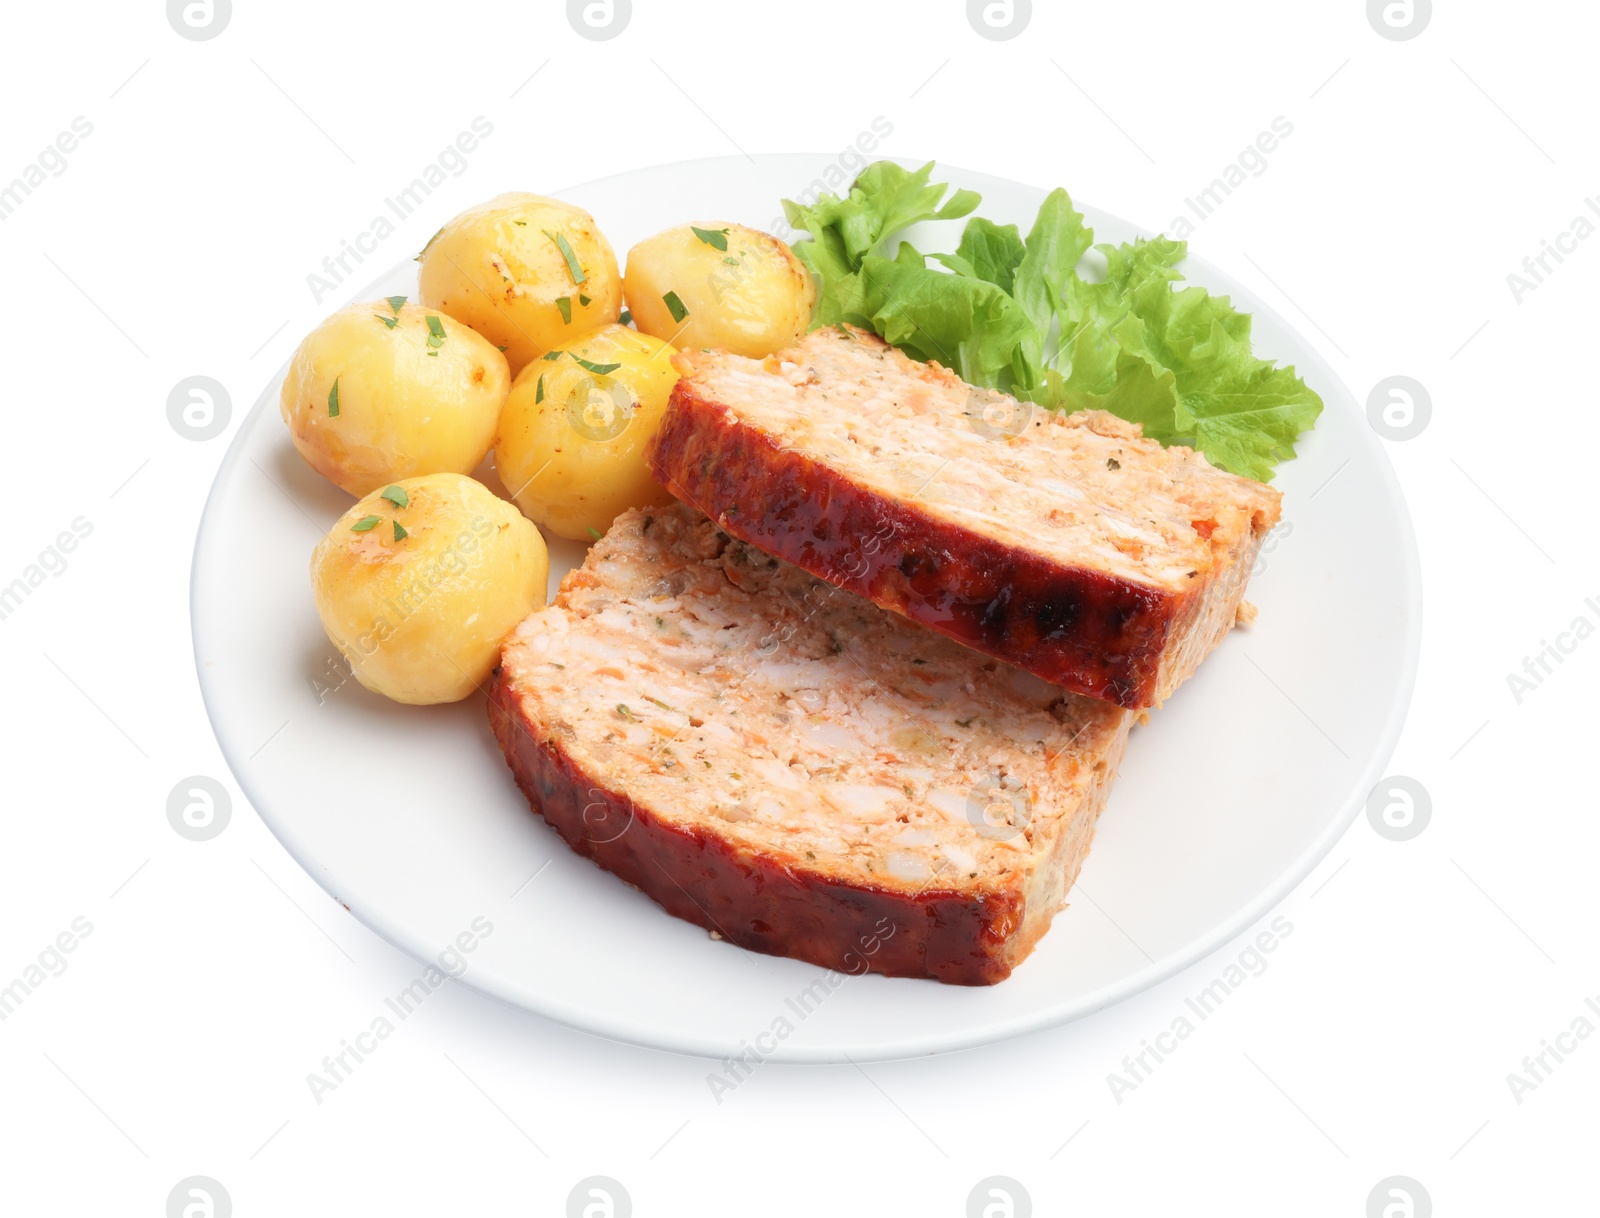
[{"x": 1228, "y": 797}]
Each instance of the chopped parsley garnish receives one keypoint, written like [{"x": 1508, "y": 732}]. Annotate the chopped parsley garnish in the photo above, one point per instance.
[
  {"x": 499, "y": 348},
  {"x": 366, "y": 524},
  {"x": 395, "y": 495},
  {"x": 400, "y": 533},
  {"x": 435, "y": 334},
  {"x": 520, "y": 223},
  {"x": 626, "y": 319},
  {"x": 395, "y": 302},
  {"x": 574, "y": 267},
  {"x": 1113, "y": 463},
  {"x": 716, "y": 238},
  {"x": 333, "y": 400},
  {"x": 583, "y": 300},
  {"x": 597, "y": 369},
  {"x": 622, "y": 709},
  {"x": 553, "y": 355},
  {"x": 391, "y": 322},
  {"x": 538, "y": 390},
  {"x": 565, "y": 305},
  {"x": 675, "y": 306},
  {"x": 594, "y": 532},
  {"x": 731, "y": 261},
  {"x": 429, "y": 246},
  {"x": 657, "y": 701}
]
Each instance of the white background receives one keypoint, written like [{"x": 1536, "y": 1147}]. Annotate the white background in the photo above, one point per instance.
[{"x": 178, "y": 241}]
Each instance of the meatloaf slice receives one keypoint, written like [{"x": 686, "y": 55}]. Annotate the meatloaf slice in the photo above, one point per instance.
[
  {"x": 1068, "y": 545},
  {"x": 794, "y": 769}
]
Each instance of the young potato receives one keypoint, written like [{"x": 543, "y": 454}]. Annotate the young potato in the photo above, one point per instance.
[
  {"x": 389, "y": 390},
  {"x": 420, "y": 581},
  {"x": 572, "y": 439},
  {"x": 529, "y": 273},
  {"x": 713, "y": 284}
]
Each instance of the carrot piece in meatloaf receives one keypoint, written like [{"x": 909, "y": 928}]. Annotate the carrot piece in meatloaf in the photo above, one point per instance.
[
  {"x": 1068, "y": 545},
  {"x": 791, "y": 767}
]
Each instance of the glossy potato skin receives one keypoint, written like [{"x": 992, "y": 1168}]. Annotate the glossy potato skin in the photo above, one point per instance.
[
  {"x": 495, "y": 268},
  {"x": 753, "y": 298},
  {"x": 405, "y": 408},
  {"x": 421, "y": 618},
  {"x": 572, "y": 453}
]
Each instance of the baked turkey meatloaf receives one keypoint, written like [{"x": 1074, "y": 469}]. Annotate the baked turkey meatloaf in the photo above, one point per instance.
[
  {"x": 793, "y": 768},
  {"x": 1068, "y": 545}
]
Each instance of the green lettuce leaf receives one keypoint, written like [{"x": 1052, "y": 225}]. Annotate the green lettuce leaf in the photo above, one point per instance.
[
  {"x": 1013, "y": 313},
  {"x": 967, "y": 324},
  {"x": 1200, "y": 384},
  {"x": 1058, "y": 240},
  {"x": 992, "y": 251},
  {"x": 883, "y": 200}
]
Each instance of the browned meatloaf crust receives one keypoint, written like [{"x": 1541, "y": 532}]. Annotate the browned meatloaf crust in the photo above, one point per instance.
[
  {"x": 793, "y": 768},
  {"x": 1095, "y": 559}
]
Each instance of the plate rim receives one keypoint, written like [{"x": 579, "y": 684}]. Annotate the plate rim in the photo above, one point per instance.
[{"x": 638, "y": 1032}]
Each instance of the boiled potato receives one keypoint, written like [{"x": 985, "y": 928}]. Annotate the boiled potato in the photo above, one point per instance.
[
  {"x": 527, "y": 272},
  {"x": 714, "y": 284},
  {"x": 390, "y": 390},
  {"x": 419, "y": 582},
  {"x": 572, "y": 438}
]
